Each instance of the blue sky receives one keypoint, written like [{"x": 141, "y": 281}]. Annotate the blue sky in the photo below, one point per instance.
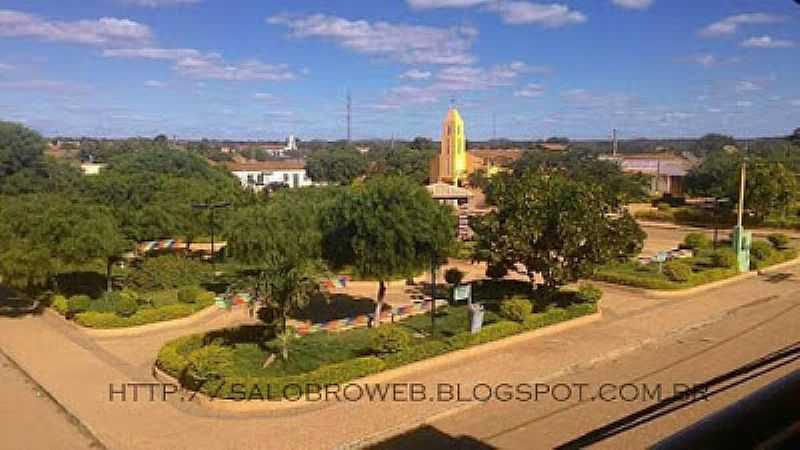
[{"x": 259, "y": 69}]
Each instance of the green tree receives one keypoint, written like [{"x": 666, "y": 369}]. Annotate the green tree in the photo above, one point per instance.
[
  {"x": 65, "y": 231},
  {"x": 20, "y": 148},
  {"x": 280, "y": 244},
  {"x": 716, "y": 176},
  {"x": 711, "y": 143},
  {"x": 771, "y": 189},
  {"x": 557, "y": 227},
  {"x": 389, "y": 227},
  {"x": 339, "y": 166},
  {"x": 408, "y": 162}
]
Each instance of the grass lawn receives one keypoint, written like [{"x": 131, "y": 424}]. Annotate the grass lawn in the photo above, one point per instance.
[{"x": 213, "y": 362}]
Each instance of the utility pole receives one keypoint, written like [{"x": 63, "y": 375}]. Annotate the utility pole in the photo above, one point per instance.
[
  {"x": 349, "y": 115},
  {"x": 212, "y": 207},
  {"x": 614, "y": 143}
]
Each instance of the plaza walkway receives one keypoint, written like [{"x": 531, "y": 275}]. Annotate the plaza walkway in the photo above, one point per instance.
[{"x": 77, "y": 371}]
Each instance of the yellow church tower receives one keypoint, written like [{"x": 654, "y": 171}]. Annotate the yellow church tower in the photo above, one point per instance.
[{"x": 450, "y": 165}]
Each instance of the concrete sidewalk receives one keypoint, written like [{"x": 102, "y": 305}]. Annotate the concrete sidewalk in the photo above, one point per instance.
[{"x": 77, "y": 371}]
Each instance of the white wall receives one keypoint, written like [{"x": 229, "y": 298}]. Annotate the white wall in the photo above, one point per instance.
[{"x": 258, "y": 180}]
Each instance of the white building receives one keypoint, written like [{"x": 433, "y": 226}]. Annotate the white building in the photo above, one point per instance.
[{"x": 257, "y": 175}]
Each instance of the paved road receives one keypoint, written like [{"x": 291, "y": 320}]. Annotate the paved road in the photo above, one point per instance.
[
  {"x": 747, "y": 333},
  {"x": 31, "y": 419}
]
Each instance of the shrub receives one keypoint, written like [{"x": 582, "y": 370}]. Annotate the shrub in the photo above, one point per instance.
[
  {"x": 172, "y": 358},
  {"x": 589, "y": 293},
  {"x": 677, "y": 271},
  {"x": 761, "y": 250},
  {"x": 454, "y": 276},
  {"x": 778, "y": 240},
  {"x": 663, "y": 206},
  {"x": 78, "y": 304},
  {"x": 206, "y": 297},
  {"x": 126, "y": 306},
  {"x": 59, "y": 303},
  {"x": 425, "y": 350},
  {"x": 100, "y": 320},
  {"x": 516, "y": 309},
  {"x": 168, "y": 272},
  {"x": 390, "y": 339},
  {"x": 724, "y": 258},
  {"x": 189, "y": 294},
  {"x": 211, "y": 362},
  {"x": 696, "y": 241},
  {"x": 496, "y": 271}
]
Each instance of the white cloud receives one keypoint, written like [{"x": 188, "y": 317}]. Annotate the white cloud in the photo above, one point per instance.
[
  {"x": 452, "y": 79},
  {"x": 105, "y": 31},
  {"x": 532, "y": 90},
  {"x": 633, "y": 4},
  {"x": 551, "y": 15},
  {"x": 584, "y": 99},
  {"x": 516, "y": 12},
  {"x": 415, "y": 75},
  {"x": 748, "y": 86},
  {"x": 159, "y": 3},
  {"x": 430, "y": 4},
  {"x": 730, "y": 25},
  {"x": 208, "y": 66},
  {"x": 766, "y": 42},
  {"x": 469, "y": 78},
  {"x": 709, "y": 60},
  {"x": 41, "y": 86},
  {"x": 263, "y": 96},
  {"x": 155, "y": 84},
  {"x": 410, "y": 44},
  {"x": 6, "y": 67},
  {"x": 795, "y": 102},
  {"x": 400, "y": 96},
  {"x": 744, "y": 103}
]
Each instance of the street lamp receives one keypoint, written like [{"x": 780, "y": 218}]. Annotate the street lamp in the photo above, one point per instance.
[{"x": 212, "y": 207}]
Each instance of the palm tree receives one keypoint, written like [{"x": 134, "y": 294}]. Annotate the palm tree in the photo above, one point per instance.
[{"x": 283, "y": 287}]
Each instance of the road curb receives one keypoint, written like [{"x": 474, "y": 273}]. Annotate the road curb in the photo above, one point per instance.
[{"x": 239, "y": 407}]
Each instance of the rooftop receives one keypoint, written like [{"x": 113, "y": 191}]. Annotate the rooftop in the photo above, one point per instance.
[{"x": 265, "y": 166}]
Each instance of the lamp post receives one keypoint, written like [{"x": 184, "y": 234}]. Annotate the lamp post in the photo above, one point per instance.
[{"x": 212, "y": 207}]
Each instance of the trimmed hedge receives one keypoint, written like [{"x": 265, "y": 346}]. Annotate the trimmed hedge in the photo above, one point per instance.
[
  {"x": 589, "y": 293},
  {"x": 516, "y": 309},
  {"x": 78, "y": 304},
  {"x": 761, "y": 250},
  {"x": 390, "y": 339},
  {"x": 677, "y": 271},
  {"x": 696, "y": 241},
  {"x": 143, "y": 316},
  {"x": 176, "y": 359},
  {"x": 59, "y": 303},
  {"x": 779, "y": 240},
  {"x": 724, "y": 258}
]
